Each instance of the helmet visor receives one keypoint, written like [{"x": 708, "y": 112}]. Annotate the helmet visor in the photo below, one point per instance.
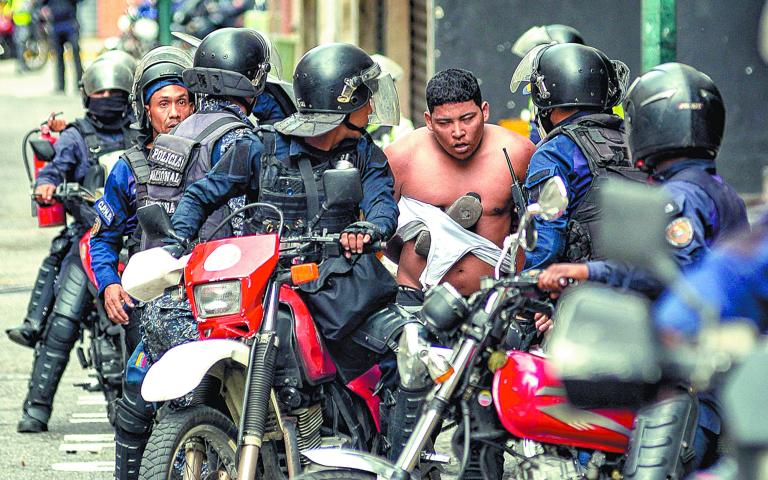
[
  {"x": 533, "y": 37},
  {"x": 384, "y": 101},
  {"x": 526, "y": 67}
]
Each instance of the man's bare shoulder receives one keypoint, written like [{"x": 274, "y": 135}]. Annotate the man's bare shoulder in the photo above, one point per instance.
[{"x": 409, "y": 147}]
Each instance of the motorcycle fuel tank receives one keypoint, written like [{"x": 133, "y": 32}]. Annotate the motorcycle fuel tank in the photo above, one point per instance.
[{"x": 531, "y": 403}]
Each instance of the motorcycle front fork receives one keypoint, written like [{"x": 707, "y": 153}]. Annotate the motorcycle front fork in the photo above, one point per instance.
[
  {"x": 432, "y": 415},
  {"x": 258, "y": 386}
]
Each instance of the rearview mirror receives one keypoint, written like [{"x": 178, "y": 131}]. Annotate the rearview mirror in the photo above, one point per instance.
[
  {"x": 634, "y": 224},
  {"x": 155, "y": 222},
  {"x": 43, "y": 149},
  {"x": 342, "y": 186},
  {"x": 604, "y": 348},
  {"x": 553, "y": 200}
]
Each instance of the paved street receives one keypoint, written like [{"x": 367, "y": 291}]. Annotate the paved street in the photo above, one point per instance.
[{"x": 79, "y": 444}]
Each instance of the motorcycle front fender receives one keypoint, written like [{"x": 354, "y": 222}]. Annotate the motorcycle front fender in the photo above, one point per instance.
[
  {"x": 351, "y": 460},
  {"x": 182, "y": 368}
]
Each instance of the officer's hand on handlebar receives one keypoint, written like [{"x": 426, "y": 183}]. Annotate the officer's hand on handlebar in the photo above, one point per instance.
[
  {"x": 115, "y": 301},
  {"x": 44, "y": 193},
  {"x": 543, "y": 322},
  {"x": 356, "y": 235},
  {"x": 559, "y": 275}
]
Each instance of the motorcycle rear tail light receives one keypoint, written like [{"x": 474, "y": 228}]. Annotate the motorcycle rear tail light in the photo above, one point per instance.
[{"x": 218, "y": 298}]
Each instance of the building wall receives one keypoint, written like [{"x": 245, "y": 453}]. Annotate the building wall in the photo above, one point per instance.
[{"x": 719, "y": 38}]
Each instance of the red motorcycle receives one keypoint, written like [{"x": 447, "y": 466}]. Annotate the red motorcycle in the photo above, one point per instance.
[
  {"x": 504, "y": 398},
  {"x": 262, "y": 384}
]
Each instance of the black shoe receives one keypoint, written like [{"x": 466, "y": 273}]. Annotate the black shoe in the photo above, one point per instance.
[
  {"x": 24, "y": 335},
  {"x": 28, "y": 424}
]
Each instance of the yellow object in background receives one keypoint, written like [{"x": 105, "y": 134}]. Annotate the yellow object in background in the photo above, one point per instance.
[{"x": 517, "y": 125}]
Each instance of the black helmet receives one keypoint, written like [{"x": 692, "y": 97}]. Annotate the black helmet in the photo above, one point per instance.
[
  {"x": 230, "y": 62},
  {"x": 673, "y": 110},
  {"x": 571, "y": 75},
  {"x": 330, "y": 82},
  {"x": 119, "y": 56},
  {"x": 546, "y": 34},
  {"x": 159, "y": 63},
  {"x": 105, "y": 75}
]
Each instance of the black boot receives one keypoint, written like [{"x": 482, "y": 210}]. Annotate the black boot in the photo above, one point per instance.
[
  {"x": 40, "y": 302},
  {"x": 128, "y": 452},
  {"x": 402, "y": 418},
  {"x": 46, "y": 375}
]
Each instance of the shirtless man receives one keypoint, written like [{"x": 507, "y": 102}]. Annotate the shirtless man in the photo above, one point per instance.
[{"x": 456, "y": 153}]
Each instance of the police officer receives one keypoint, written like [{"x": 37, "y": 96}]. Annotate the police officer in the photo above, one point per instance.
[
  {"x": 160, "y": 101},
  {"x": 84, "y": 152},
  {"x": 329, "y": 125},
  {"x": 573, "y": 88},
  {"x": 675, "y": 118}
]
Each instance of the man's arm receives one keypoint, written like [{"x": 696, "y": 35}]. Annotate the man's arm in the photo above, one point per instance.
[
  {"x": 378, "y": 204},
  {"x": 235, "y": 173},
  {"x": 116, "y": 217}
]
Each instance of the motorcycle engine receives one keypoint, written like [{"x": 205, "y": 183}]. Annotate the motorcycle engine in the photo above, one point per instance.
[{"x": 537, "y": 462}]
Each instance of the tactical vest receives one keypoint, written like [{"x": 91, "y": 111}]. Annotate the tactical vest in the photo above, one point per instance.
[
  {"x": 102, "y": 154},
  {"x": 295, "y": 186},
  {"x": 602, "y": 140},
  {"x": 177, "y": 160},
  {"x": 731, "y": 213}
]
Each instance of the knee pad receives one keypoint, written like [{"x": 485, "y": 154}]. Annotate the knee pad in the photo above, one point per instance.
[
  {"x": 60, "y": 246},
  {"x": 661, "y": 446},
  {"x": 41, "y": 299},
  {"x": 133, "y": 416},
  {"x": 73, "y": 295},
  {"x": 61, "y": 334}
]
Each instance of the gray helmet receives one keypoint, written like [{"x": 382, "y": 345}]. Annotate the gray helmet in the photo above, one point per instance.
[
  {"x": 159, "y": 63},
  {"x": 106, "y": 75},
  {"x": 119, "y": 56}
]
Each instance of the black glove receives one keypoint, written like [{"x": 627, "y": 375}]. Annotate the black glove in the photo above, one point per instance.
[
  {"x": 366, "y": 228},
  {"x": 175, "y": 249}
]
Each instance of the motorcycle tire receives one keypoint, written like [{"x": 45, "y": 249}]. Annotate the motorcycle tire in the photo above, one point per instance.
[
  {"x": 337, "y": 475},
  {"x": 36, "y": 50},
  {"x": 164, "y": 454}
]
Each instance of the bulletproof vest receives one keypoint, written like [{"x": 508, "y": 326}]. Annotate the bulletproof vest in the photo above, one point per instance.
[
  {"x": 731, "y": 213},
  {"x": 295, "y": 186},
  {"x": 177, "y": 160},
  {"x": 602, "y": 140}
]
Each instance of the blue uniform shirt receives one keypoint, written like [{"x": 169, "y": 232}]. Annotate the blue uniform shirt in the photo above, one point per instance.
[
  {"x": 733, "y": 279},
  {"x": 560, "y": 157},
  {"x": 117, "y": 219},
  {"x": 236, "y": 176},
  {"x": 692, "y": 206}
]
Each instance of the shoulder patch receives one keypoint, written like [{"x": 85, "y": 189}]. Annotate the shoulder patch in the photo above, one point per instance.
[
  {"x": 679, "y": 232},
  {"x": 104, "y": 210},
  {"x": 96, "y": 227}
]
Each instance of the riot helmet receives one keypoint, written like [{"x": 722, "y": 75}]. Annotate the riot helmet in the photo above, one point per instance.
[
  {"x": 671, "y": 111},
  {"x": 570, "y": 75},
  {"x": 107, "y": 112},
  {"x": 546, "y": 34},
  {"x": 332, "y": 81},
  {"x": 105, "y": 75},
  {"x": 162, "y": 64},
  {"x": 119, "y": 56},
  {"x": 230, "y": 62}
]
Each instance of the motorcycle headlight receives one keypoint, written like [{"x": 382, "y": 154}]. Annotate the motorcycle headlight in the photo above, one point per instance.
[
  {"x": 218, "y": 298},
  {"x": 444, "y": 308}
]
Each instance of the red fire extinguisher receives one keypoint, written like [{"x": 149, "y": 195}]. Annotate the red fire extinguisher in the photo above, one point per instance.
[{"x": 43, "y": 152}]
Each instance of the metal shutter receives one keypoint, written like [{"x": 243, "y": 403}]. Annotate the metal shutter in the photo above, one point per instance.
[{"x": 422, "y": 60}]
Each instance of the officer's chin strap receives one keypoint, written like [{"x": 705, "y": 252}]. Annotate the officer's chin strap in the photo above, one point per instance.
[
  {"x": 544, "y": 123},
  {"x": 352, "y": 126}
]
